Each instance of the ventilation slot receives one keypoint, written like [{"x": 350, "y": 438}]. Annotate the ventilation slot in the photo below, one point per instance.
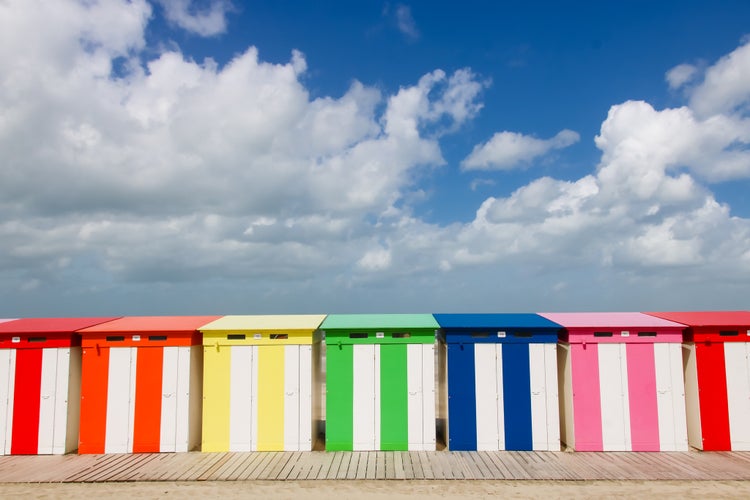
[{"x": 602, "y": 334}]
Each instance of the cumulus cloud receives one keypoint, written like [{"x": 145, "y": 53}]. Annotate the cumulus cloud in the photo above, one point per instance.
[
  {"x": 724, "y": 88},
  {"x": 206, "y": 21},
  {"x": 680, "y": 75},
  {"x": 509, "y": 150}
]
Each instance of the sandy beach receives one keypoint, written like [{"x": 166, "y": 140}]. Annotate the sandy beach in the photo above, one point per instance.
[{"x": 312, "y": 490}]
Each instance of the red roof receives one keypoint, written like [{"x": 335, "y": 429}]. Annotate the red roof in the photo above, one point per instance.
[
  {"x": 152, "y": 324},
  {"x": 50, "y": 325},
  {"x": 707, "y": 318}
]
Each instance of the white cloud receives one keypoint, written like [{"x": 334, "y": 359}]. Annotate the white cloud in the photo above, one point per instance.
[
  {"x": 509, "y": 150},
  {"x": 724, "y": 88},
  {"x": 405, "y": 21},
  {"x": 203, "y": 21},
  {"x": 680, "y": 75}
]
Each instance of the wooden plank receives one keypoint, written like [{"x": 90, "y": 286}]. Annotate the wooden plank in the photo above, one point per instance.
[
  {"x": 370, "y": 468},
  {"x": 398, "y": 466},
  {"x": 351, "y": 472},
  {"x": 346, "y": 459},
  {"x": 406, "y": 459},
  {"x": 380, "y": 465}
]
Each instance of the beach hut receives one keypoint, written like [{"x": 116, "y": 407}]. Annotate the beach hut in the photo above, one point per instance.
[
  {"x": 141, "y": 385},
  {"x": 260, "y": 385},
  {"x": 621, "y": 382},
  {"x": 380, "y": 381},
  {"x": 502, "y": 381},
  {"x": 716, "y": 356},
  {"x": 40, "y": 375}
]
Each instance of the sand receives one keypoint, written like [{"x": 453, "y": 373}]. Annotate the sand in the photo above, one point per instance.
[{"x": 392, "y": 490}]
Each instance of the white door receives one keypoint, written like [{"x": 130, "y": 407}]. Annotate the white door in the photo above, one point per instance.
[
  {"x": 120, "y": 400},
  {"x": 7, "y": 384},
  {"x": 305, "y": 398},
  {"x": 291, "y": 398},
  {"x": 47, "y": 401},
  {"x": 738, "y": 394},
  {"x": 670, "y": 397},
  {"x": 613, "y": 383},
  {"x": 488, "y": 380},
  {"x": 366, "y": 397},
  {"x": 545, "y": 422},
  {"x": 243, "y": 399},
  {"x": 169, "y": 398}
]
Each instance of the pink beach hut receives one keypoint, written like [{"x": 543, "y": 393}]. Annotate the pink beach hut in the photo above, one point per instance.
[{"x": 621, "y": 382}]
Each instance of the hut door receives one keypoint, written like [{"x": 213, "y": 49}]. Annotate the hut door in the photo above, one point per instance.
[
  {"x": 462, "y": 400},
  {"x": 243, "y": 397},
  {"x": 304, "y": 406},
  {"x": 52, "y": 374},
  {"x": 291, "y": 398},
  {"x": 545, "y": 422},
  {"x": 7, "y": 382},
  {"x": 670, "y": 397},
  {"x": 120, "y": 400},
  {"x": 488, "y": 380},
  {"x": 613, "y": 379},
  {"x": 738, "y": 393},
  {"x": 366, "y": 396}
]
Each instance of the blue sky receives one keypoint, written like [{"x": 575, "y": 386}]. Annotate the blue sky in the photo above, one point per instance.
[{"x": 178, "y": 157}]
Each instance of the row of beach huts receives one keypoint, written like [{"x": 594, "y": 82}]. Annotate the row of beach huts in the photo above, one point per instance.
[{"x": 659, "y": 381}]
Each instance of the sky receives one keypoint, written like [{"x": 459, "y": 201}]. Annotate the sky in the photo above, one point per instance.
[{"x": 226, "y": 157}]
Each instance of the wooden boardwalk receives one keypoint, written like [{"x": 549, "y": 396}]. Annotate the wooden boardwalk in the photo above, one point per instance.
[{"x": 441, "y": 465}]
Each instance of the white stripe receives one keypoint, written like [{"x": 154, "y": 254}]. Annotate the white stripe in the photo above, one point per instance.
[
  {"x": 428, "y": 389},
  {"x": 670, "y": 397},
  {"x": 376, "y": 399},
  {"x": 538, "y": 382},
  {"x": 184, "y": 396},
  {"x": 500, "y": 398},
  {"x": 738, "y": 394},
  {"x": 488, "y": 404},
  {"x": 414, "y": 398},
  {"x": 120, "y": 400},
  {"x": 7, "y": 383},
  {"x": 613, "y": 387},
  {"x": 169, "y": 377},
  {"x": 254, "y": 399},
  {"x": 291, "y": 398},
  {"x": 365, "y": 411},
  {"x": 64, "y": 408},
  {"x": 47, "y": 404},
  {"x": 553, "y": 403},
  {"x": 242, "y": 411},
  {"x": 565, "y": 375},
  {"x": 305, "y": 398}
]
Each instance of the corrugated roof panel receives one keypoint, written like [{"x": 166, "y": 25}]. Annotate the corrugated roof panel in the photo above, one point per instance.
[
  {"x": 706, "y": 318},
  {"x": 50, "y": 325},
  {"x": 309, "y": 322},
  {"x": 609, "y": 320},
  {"x": 348, "y": 321},
  {"x": 501, "y": 320},
  {"x": 152, "y": 324}
]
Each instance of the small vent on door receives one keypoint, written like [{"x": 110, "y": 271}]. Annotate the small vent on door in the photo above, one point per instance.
[
  {"x": 480, "y": 335},
  {"x": 115, "y": 338},
  {"x": 522, "y": 334},
  {"x": 279, "y": 336},
  {"x": 602, "y": 334},
  {"x": 236, "y": 336},
  {"x": 157, "y": 338},
  {"x": 647, "y": 334},
  {"x": 357, "y": 335},
  {"x": 37, "y": 339},
  {"x": 401, "y": 335}
]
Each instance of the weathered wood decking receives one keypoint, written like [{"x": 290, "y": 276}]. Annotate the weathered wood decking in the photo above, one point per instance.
[{"x": 376, "y": 465}]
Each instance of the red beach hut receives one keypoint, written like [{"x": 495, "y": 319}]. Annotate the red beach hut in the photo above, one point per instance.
[{"x": 716, "y": 356}]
